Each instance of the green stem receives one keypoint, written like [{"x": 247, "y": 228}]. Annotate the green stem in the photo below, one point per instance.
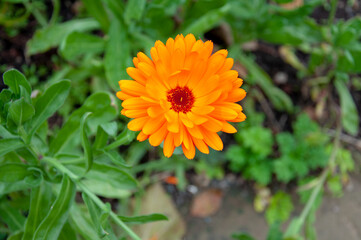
[
  {"x": 37, "y": 14},
  {"x": 86, "y": 190},
  {"x": 310, "y": 203},
  {"x": 331, "y": 18},
  {"x": 55, "y": 15}
]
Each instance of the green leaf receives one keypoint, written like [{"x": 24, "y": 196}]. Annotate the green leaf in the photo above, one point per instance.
[
  {"x": 283, "y": 169},
  {"x": 40, "y": 202},
  {"x": 12, "y": 217},
  {"x": 20, "y": 111},
  {"x": 134, "y": 10},
  {"x": 144, "y": 218},
  {"x": 116, "y": 7},
  {"x": 14, "y": 79},
  {"x": 242, "y": 236},
  {"x": 116, "y": 158},
  {"x": 117, "y": 54},
  {"x": 52, "y": 224},
  {"x": 18, "y": 176},
  {"x": 12, "y": 172},
  {"x": 344, "y": 161},
  {"x": 76, "y": 44},
  {"x": 258, "y": 139},
  {"x": 106, "y": 189},
  {"x": 101, "y": 138},
  {"x": 207, "y": 21},
  {"x": 261, "y": 172},
  {"x": 349, "y": 115},
  {"x": 349, "y": 59},
  {"x": 95, "y": 214},
  {"x": 106, "y": 173},
  {"x": 335, "y": 186},
  {"x": 124, "y": 138},
  {"x": 49, "y": 103},
  {"x": 4, "y": 133},
  {"x": 52, "y": 36},
  {"x": 81, "y": 222},
  {"x": 274, "y": 232},
  {"x": 67, "y": 232},
  {"x": 290, "y": 32},
  {"x": 16, "y": 236},
  {"x": 102, "y": 111},
  {"x": 294, "y": 228},
  {"x": 10, "y": 144},
  {"x": 88, "y": 153},
  {"x": 97, "y": 10},
  {"x": 279, "y": 209}
]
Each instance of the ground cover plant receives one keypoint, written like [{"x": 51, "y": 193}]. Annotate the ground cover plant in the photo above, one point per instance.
[{"x": 71, "y": 162}]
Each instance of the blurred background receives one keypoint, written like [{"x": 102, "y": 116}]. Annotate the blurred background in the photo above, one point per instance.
[{"x": 294, "y": 165}]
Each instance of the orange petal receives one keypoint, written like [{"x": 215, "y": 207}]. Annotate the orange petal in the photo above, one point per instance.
[
  {"x": 207, "y": 99},
  {"x": 236, "y": 95},
  {"x": 137, "y": 124},
  {"x": 229, "y": 76},
  {"x": 123, "y": 96},
  {"x": 228, "y": 128},
  {"x": 144, "y": 58},
  {"x": 227, "y": 65},
  {"x": 135, "y": 61},
  {"x": 136, "y": 74},
  {"x": 153, "y": 124},
  {"x": 147, "y": 69},
  {"x": 185, "y": 120},
  {"x": 189, "y": 42},
  {"x": 202, "y": 110},
  {"x": 212, "y": 83},
  {"x": 170, "y": 45},
  {"x": 132, "y": 87},
  {"x": 173, "y": 121},
  {"x": 240, "y": 118},
  {"x": 158, "y": 137},
  {"x": 178, "y": 137},
  {"x": 213, "y": 140},
  {"x": 200, "y": 144},
  {"x": 168, "y": 147},
  {"x": 195, "y": 132},
  {"x": 189, "y": 152},
  {"x": 142, "y": 137},
  {"x": 196, "y": 119},
  {"x": 224, "y": 113},
  {"x": 136, "y": 113},
  {"x": 155, "y": 111},
  {"x": 213, "y": 125},
  {"x": 154, "y": 54},
  {"x": 136, "y": 102}
]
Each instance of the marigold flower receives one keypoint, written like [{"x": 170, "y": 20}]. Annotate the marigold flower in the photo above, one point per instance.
[{"x": 183, "y": 96}]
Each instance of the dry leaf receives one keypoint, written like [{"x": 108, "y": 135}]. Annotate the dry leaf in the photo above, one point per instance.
[
  {"x": 292, "y": 5},
  {"x": 206, "y": 203},
  {"x": 156, "y": 200}
]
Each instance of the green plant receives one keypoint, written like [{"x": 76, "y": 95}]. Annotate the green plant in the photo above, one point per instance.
[{"x": 43, "y": 171}]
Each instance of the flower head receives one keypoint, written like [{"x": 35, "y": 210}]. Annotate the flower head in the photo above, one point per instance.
[{"x": 183, "y": 96}]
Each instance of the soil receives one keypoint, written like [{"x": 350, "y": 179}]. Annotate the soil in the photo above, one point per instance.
[{"x": 337, "y": 218}]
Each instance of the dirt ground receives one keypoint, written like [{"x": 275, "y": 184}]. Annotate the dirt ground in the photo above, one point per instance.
[{"x": 336, "y": 219}]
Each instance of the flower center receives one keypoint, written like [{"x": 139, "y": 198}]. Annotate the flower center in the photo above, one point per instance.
[{"x": 181, "y": 98}]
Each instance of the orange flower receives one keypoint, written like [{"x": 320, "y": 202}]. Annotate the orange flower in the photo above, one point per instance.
[{"x": 184, "y": 95}]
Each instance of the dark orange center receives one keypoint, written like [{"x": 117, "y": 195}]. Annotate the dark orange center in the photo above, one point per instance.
[{"x": 181, "y": 98}]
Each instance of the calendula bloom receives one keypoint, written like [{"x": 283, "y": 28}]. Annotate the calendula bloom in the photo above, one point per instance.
[{"x": 183, "y": 96}]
